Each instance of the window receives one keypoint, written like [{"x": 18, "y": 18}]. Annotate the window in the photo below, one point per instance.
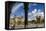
[
  {"x": 35, "y": 15},
  {"x": 23, "y": 15},
  {"x": 17, "y": 16}
]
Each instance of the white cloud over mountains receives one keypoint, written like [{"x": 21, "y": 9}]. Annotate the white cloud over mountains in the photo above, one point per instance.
[{"x": 32, "y": 15}]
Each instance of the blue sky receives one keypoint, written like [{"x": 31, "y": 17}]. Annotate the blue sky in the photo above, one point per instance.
[
  {"x": 37, "y": 6},
  {"x": 18, "y": 10},
  {"x": 34, "y": 8}
]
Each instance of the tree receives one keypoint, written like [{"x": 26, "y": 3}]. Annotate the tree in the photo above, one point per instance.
[{"x": 38, "y": 19}]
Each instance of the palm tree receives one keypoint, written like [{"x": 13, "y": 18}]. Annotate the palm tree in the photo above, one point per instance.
[{"x": 38, "y": 19}]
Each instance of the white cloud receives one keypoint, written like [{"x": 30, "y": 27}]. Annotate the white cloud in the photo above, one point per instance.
[
  {"x": 29, "y": 13},
  {"x": 34, "y": 11},
  {"x": 29, "y": 19},
  {"x": 33, "y": 15},
  {"x": 42, "y": 13}
]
